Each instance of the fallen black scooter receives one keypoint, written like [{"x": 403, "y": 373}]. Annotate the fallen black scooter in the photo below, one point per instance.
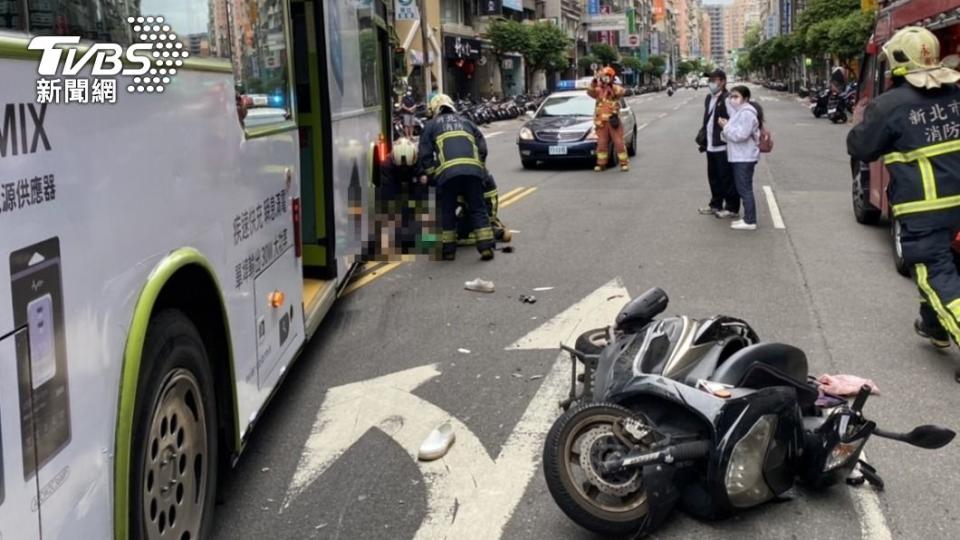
[{"x": 698, "y": 414}]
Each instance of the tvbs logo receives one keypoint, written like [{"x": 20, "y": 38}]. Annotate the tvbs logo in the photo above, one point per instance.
[
  {"x": 151, "y": 62},
  {"x": 107, "y": 58}
]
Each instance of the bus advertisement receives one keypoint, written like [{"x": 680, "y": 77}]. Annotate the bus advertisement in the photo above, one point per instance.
[{"x": 182, "y": 198}]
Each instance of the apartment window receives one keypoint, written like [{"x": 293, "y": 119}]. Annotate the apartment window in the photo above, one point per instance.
[
  {"x": 451, "y": 11},
  {"x": 11, "y": 15}
]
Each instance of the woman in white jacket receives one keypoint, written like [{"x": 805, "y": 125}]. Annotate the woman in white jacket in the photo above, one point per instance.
[{"x": 742, "y": 131}]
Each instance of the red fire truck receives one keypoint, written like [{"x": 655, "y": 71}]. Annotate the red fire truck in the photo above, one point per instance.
[{"x": 942, "y": 17}]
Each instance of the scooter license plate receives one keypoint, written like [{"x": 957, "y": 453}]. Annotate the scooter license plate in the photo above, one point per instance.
[
  {"x": 557, "y": 150},
  {"x": 831, "y": 111}
]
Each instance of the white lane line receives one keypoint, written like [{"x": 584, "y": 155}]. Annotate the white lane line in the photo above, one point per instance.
[
  {"x": 641, "y": 126},
  {"x": 872, "y": 523},
  {"x": 774, "y": 209},
  {"x": 493, "y": 134},
  {"x": 662, "y": 115}
]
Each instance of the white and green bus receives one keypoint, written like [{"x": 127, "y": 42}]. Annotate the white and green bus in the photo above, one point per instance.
[{"x": 167, "y": 248}]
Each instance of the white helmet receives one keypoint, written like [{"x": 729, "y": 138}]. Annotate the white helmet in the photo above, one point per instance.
[
  {"x": 404, "y": 152},
  {"x": 914, "y": 53}
]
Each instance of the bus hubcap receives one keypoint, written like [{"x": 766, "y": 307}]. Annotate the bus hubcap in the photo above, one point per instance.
[{"x": 175, "y": 468}]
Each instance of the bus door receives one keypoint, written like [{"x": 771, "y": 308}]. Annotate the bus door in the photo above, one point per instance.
[
  {"x": 19, "y": 492},
  {"x": 313, "y": 119}
]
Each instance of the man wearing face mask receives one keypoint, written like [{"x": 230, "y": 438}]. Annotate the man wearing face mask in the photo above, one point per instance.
[
  {"x": 724, "y": 201},
  {"x": 606, "y": 118}
]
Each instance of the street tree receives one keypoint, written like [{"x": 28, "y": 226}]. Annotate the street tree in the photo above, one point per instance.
[
  {"x": 823, "y": 10},
  {"x": 508, "y": 36},
  {"x": 547, "y": 48},
  {"x": 635, "y": 64},
  {"x": 605, "y": 53},
  {"x": 587, "y": 60},
  {"x": 849, "y": 34},
  {"x": 658, "y": 65}
]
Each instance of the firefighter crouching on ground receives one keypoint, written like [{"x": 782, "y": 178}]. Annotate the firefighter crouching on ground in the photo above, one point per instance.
[
  {"x": 400, "y": 197},
  {"x": 606, "y": 118},
  {"x": 913, "y": 127},
  {"x": 453, "y": 151},
  {"x": 465, "y": 236}
]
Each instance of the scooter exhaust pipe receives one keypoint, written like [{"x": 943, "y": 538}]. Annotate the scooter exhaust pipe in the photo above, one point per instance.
[{"x": 688, "y": 451}]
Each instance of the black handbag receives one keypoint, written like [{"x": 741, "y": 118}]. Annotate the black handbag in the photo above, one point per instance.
[
  {"x": 614, "y": 121},
  {"x": 702, "y": 137}
]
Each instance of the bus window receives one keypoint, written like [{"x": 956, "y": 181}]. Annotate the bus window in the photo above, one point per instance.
[
  {"x": 260, "y": 61},
  {"x": 107, "y": 22},
  {"x": 11, "y": 14},
  {"x": 200, "y": 25},
  {"x": 369, "y": 62}
]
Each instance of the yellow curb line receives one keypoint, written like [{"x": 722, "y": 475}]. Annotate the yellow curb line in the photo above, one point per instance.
[{"x": 519, "y": 196}]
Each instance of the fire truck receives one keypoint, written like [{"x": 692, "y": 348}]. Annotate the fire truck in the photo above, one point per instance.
[{"x": 869, "y": 185}]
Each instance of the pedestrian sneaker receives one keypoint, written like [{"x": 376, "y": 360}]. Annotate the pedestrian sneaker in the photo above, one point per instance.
[
  {"x": 624, "y": 168},
  {"x": 707, "y": 210},
  {"x": 742, "y": 225},
  {"x": 938, "y": 336},
  {"x": 486, "y": 254},
  {"x": 726, "y": 214},
  {"x": 479, "y": 285}
]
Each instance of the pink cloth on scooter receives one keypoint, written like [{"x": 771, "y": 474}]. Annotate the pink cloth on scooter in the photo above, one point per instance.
[{"x": 845, "y": 385}]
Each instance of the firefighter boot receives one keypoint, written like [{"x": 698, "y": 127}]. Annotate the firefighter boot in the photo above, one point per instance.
[{"x": 937, "y": 335}]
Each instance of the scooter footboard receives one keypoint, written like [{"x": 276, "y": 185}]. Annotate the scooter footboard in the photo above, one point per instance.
[{"x": 587, "y": 377}]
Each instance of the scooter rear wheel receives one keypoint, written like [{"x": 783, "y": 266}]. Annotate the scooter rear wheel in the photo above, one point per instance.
[{"x": 610, "y": 504}]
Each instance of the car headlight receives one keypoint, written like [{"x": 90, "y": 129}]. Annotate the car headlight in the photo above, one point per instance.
[
  {"x": 526, "y": 134},
  {"x": 744, "y": 479},
  {"x": 592, "y": 134}
]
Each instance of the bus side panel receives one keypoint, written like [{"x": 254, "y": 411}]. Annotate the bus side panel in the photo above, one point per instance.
[
  {"x": 116, "y": 188},
  {"x": 354, "y": 101}
]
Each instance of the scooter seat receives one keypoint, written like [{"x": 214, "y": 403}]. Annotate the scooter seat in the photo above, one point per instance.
[{"x": 787, "y": 359}]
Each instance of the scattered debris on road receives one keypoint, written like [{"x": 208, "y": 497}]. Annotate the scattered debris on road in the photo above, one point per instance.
[
  {"x": 528, "y": 299},
  {"x": 535, "y": 377},
  {"x": 464, "y": 351},
  {"x": 539, "y": 289},
  {"x": 845, "y": 385}
]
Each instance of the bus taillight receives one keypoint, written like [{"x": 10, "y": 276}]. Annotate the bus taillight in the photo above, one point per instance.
[
  {"x": 382, "y": 149},
  {"x": 297, "y": 240}
]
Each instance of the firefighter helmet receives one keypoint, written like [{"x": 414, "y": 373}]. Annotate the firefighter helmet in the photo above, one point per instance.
[
  {"x": 609, "y": 72},
  {"x": 404, "y": 152},
  {"x": 914, "y": 53},
  {"x": 440, "y": 101}
]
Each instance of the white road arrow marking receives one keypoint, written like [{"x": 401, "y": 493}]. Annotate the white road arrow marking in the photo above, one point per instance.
[
  {"x": 469, "y": 494},
  {"x": 597, "y": 309}
]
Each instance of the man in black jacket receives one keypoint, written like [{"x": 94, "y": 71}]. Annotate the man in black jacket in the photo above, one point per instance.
[
  {"x": 453, "y": 151},
  {"x": 724, "y": 200},
  {"x": 915, "y": 127}
]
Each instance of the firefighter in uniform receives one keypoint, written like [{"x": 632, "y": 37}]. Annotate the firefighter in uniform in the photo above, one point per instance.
[
  {"x": 453, "y": 151},
  {"x": 465, "y": 236},
  {"x": 400, "y": 195},
  {"x": 606, "y": 118},
  {"x": 915, "y": 127}
]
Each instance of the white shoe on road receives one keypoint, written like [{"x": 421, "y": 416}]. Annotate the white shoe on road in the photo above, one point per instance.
[
  {"x": 726, "y": 214},
  {"x": 741, "y": 225},
  {"x": 437, "y": 443}
]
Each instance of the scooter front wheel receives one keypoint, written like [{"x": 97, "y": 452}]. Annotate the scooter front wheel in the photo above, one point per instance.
[{"x": 606, "y": 503}]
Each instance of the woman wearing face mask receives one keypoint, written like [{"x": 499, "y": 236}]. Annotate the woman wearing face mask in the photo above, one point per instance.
[{"x": 742, "y": 131}]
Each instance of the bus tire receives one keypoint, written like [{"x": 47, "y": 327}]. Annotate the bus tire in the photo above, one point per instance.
[{"x": 174, "y": 459}]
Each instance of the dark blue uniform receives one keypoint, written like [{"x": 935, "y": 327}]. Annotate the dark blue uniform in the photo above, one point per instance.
[
  {"x": 917, "y": 132},
  {"x": 453, "y": 151}
]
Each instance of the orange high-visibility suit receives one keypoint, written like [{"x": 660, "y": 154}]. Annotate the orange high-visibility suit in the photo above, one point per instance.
[{"x": 608, "y": 104}]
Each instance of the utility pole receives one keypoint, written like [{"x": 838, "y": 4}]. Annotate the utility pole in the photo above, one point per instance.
[{"x": 422, "y": 8}]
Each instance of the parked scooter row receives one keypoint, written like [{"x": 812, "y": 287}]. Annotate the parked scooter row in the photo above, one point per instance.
[
  {"x": 832, "y": 103},
  {"x": 700, "y": 415}
]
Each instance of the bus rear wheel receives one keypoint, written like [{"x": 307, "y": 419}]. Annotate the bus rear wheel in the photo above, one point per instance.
[{"x": 175, "y": 445}]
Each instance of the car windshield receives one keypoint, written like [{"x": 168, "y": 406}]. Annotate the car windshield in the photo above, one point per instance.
[{"x": 579, "y": 105}]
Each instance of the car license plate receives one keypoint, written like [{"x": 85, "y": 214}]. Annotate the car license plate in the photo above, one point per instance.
[{"x": 557, "y": 150}]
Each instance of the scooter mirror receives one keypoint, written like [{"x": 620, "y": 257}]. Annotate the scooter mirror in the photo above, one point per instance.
[{"x": 930, "y": 437}]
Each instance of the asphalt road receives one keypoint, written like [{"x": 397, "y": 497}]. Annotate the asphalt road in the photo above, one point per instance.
[{"x": 823, "y": 283}]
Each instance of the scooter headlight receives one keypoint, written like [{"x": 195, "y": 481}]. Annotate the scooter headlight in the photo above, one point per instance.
[
  {"x": 744, "y": 479},
  {"x": 526, "y": 134}
]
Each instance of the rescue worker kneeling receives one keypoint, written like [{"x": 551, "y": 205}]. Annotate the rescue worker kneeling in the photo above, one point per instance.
[
  {"x": 606, "y": 118},
  {"x": 913, "y": 126},
  {"x": 465, "y": 236},
  {"x": 453, "y": 152},
  {"x": 400, "y": 199}
]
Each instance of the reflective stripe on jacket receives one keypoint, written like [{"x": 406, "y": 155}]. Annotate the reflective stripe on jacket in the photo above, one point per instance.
[
  {"x": 917, "y": 132},
  {"x": 452, "y": 146}
]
